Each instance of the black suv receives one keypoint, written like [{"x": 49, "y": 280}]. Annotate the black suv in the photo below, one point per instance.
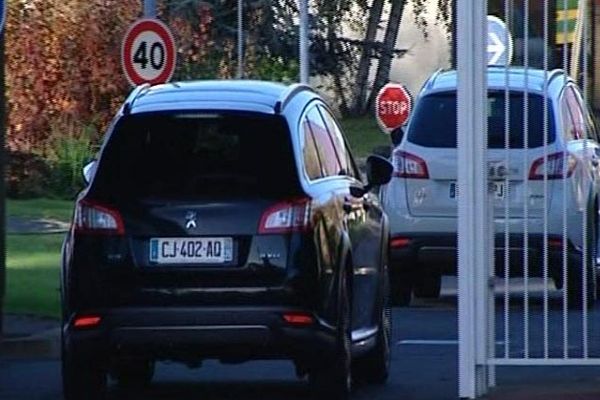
[{"x": 226, "y": 220}]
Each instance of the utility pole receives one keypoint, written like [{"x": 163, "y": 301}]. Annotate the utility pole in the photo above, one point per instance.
[
  {"x": 304, "y": 56},
  {"x": 240, "y": 39},
  {"x": 2, "y": 171}
]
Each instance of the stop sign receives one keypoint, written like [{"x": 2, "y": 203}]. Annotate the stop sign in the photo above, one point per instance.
[{"x": 392, "y": 106}]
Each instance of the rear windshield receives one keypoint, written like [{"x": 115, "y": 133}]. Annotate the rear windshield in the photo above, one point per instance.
[
  {"x": 434, "y": 122},
  {"x": 192, "y": 155}
]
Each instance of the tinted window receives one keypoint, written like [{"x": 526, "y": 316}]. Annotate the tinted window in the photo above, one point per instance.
[
  {"x": 434, "y": 122},
  {"x": 327, "y": 154},
  {"x": 579, "y": 125},
  {"x": 569, "y": 131},
  {"x": 181, "y": 156},
  {"x": 338, "y": 142},
  {"x": 312, "y": 165}
]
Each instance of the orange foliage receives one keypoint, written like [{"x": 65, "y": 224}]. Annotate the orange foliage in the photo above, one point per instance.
[{"x": 62, "y": 61}]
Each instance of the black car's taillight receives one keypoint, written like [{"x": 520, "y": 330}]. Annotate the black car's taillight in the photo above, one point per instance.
[
  {"x": 97, "y": 219},
  {"x": 285, "y": 217}
]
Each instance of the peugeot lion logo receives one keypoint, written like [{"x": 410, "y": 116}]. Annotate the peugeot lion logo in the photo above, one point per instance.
[{"x": 190, "y": 219}]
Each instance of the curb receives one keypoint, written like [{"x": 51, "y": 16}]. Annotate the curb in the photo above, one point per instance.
[{"x": 41, "y": 345}]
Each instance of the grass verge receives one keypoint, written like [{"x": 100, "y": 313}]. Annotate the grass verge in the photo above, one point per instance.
[
  {"x": 364, "y": 135},
  {"x": 33, "y": 274},
  {"x": 40, "y": 208}
]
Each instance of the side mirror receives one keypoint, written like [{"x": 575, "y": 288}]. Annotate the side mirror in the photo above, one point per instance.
[
  {"x": 88, "y": 171},
  {"x": 379, "y": 171},
  {"x": 397, "y": 135}
]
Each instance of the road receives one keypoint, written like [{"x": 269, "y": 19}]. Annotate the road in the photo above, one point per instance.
[{"x": 424, "y": 368}]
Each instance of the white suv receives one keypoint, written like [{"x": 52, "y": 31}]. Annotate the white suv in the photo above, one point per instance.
[{"x": 421, "y": 199}]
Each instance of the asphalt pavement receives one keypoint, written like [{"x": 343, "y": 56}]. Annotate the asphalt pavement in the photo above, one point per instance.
[{"x": 424, "y": 367}]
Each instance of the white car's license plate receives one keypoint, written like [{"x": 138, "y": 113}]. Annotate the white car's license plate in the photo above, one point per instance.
[
  {"x": 191, "y": 250},
  {"x": 499, "y": 190}
]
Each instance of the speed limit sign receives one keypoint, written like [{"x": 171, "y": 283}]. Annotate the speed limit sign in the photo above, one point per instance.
[{"x": 148, "y": 53}]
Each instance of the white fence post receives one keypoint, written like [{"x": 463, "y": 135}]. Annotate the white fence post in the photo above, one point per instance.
[{"x": 473, "y": 224}]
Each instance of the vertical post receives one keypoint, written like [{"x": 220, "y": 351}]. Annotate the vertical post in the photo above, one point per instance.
[
  {"x": 2, "y": 182},
  {"x": 304, "y": 57},
  {"x": 149, "y": 8},
  {"x": 240, "y": 39},
  {"x": 454, "y": 33},
  {"x": 473, "y": 253}
]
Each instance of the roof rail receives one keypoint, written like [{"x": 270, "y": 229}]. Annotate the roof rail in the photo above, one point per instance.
[
  {"x": 288, "y": 94},
  {"x": 555, "y": 73},
  {"x": 135, "y": 93},
  {"x": 431, "y": 81}
]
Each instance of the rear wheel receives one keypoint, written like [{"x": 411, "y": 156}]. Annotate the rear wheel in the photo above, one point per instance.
[
  {"x": 375, "y": 366},
  {"x": 83, "y": 379},
  {"x": 575, "y": 285},
  {"x": 429, "y": 284},
  {"x": 583, "y": 275},
  {"x": 402, "y": 289},
  {"x": 332, "y": 379}
]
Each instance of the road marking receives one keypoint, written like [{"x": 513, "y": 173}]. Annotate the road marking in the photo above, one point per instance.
[{"x": 423, "y": 342}]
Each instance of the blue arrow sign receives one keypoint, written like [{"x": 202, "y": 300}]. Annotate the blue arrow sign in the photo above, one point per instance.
[{"x": 499, "y": 42}]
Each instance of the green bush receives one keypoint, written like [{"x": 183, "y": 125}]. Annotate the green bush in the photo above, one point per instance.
[
  {"x": 71, "y": 146},
  {"x": 275, "y": 69},
  {"x": 26, "y": 175}
]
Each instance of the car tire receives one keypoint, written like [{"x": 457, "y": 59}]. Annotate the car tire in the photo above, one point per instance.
[
  {"x": 428, "y": 284},
  {"x": 332, "y": 379},
  {"x": 133, "y": 374},
  {"x": 402, "y": 289},
  {"x": 83, "y": 379},
  {"x": 575, "y": 282},
  {"x": 374, "y": 368}
]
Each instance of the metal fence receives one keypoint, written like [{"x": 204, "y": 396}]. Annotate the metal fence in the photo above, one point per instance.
[{"x": 542, "y": 233}]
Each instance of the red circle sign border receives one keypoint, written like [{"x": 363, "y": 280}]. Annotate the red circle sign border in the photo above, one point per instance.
[
  {"x": 408, "y": 96},
  {"x": 162, "y": 30}
]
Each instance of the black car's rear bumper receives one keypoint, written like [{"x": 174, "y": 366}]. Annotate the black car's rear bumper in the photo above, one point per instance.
[{"x": 192, "y": 334}]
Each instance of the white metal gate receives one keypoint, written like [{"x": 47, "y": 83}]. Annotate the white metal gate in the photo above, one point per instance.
[{"x": 547, "y": 221}]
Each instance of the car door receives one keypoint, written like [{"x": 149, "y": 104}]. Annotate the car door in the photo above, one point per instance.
[{"x": 364, "y": 218}]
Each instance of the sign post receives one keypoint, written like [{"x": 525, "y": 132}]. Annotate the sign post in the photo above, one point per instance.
[
  {"x": 149, "y": 8},
  {"x": 393, "y": 106},
  {"x": 148, "y": 53}
]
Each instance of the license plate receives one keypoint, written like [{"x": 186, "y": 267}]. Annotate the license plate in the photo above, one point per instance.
[
  {"x": 191, "y": 250},
  {"x": 498, "y": 190}
]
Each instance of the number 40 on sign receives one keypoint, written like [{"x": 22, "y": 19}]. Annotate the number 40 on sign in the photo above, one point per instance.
[{"x": 148, "y": 53}]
